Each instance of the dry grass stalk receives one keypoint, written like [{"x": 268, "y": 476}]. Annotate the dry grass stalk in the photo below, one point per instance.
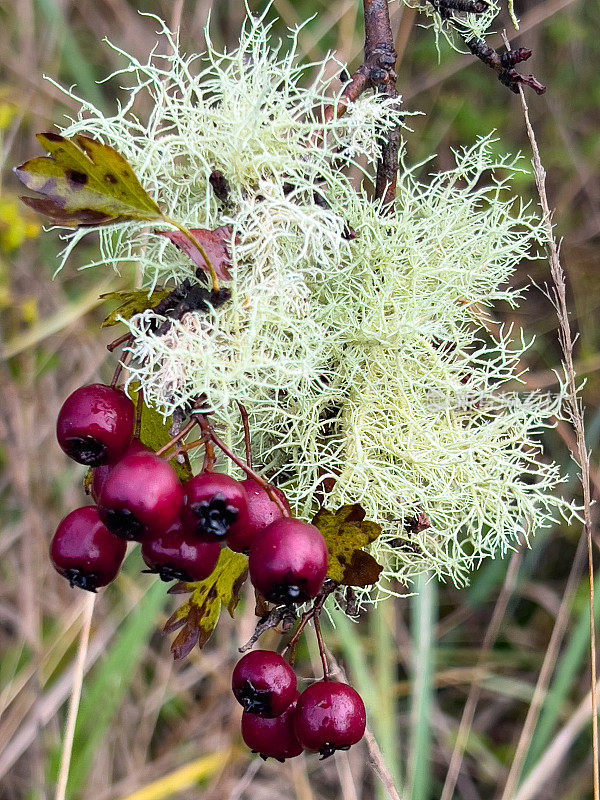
[
  {"x": 581, "y": 455},
  {"x": 65, "y": 760}
]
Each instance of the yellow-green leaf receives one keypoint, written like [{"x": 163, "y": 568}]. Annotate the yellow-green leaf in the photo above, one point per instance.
[
  {"x": 346, "y": 532},
  {"x": 84, "y": 182},
  {"x": 132, "y": 303},
  {"x": 199, "y": 615}
]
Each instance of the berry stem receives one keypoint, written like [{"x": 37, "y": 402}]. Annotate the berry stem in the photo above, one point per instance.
[
  {"x": 319, "y": 636},
  {"x": 244, "y": 415},
  {"x": 312, "y": 613},
  {"x": 212, "y": 436},
  {"x": 291, "y": 645},
  {"x": 181, "y": 435},
  {"x": 127, "y": 337},
  {"x": 119, "y": 369},
  {"x": 201, "y": 250},
  {"x": 139, "y": 406},
  {"x": 209, "y": 456}
]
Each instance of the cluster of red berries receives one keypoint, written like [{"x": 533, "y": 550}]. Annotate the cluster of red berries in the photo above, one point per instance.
[
  {"x": 280, "y": 723},
  {"x": 139, "y": 497}
]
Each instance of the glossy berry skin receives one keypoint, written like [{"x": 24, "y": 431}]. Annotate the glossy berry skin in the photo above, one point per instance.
[
  {"x": 288, "y": 561},
  {"x": 272, "y": 738},
  {"x": 101, "y": 473},
  {"x": 264, "y": 683},
  {"x": 175, "y": 555},
  {"x": 95, "y": 424},
  {"x": 262, "y": 511},
  {"x": 330, "y": 716},
  {"x": 84, "y": 551},
  {"x": 141, "y": 497},
  {"x": 215, "y": 506}
]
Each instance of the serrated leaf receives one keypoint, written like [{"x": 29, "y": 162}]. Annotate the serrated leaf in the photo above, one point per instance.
[
  {"x": 214, "y": 243},
  {"x": 198, "y": 616},
  {"x": 133, "y": 302},
  {"x": 346, "y": 532},
  {"x": 84, "y": 182},
  {"x": 154, "y": 432}
]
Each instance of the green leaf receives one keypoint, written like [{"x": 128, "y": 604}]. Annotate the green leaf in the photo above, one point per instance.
[
  {"x": 154, "y": 432},
  {"x": 346, "y": 532},
  {"x": 132, "y": 303},
  {"x": 199, "y": 615},
  {"x": 84, "y": 182}
]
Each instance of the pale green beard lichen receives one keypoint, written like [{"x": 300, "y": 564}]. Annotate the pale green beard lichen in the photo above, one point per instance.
[{"x": 368, "y": 360}]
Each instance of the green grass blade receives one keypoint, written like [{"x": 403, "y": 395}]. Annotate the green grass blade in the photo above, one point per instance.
[
  {"x": 76, "y": 65},
  {"x": 567, "y": 671},
  {"x": 423, "y": 606},
  {"x": 361, "y": 677},
  {"x": 385, "y": 721}
]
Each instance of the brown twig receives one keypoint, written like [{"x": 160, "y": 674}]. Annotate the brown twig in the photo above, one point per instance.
[
  {"x": 504, "y": 65},
  {"x": 376, "y": 72},
  {"x": 582, "y": 456}
]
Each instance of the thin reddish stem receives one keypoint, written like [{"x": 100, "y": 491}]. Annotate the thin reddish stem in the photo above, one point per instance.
[
  {"x": 181, "y": 435},
  {"x": 244, "y": 415},
  {"x": 139, "y": 407},
  {"x": 127, "y": 337},
  {"x": 211, "y": 435},
  {"x": 317, "y": 625}
]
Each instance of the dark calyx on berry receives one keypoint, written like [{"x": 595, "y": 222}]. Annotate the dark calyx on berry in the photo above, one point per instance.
[
  {"x": 330, "y": 716},
  {"x": 288, "y": 561},
  {"x": 264, "y": 683},
  {"x": 215, "y": 516},
  {"x": 215, "y": 505},
  {"x": 95, "y": 424},
  {"x": 262, "y": 511},
  {"x": 140, "y": 497},
  {"x": 272, "y": 738},
  {"x": 123, "y": 523},
  {"x": 79, "y": 579},
  {"x": 175, "y": 555},
  {"x": 84, "y": 551},
  {"x": 85, "y": 450},
  {"x": 255, "y": 701}
]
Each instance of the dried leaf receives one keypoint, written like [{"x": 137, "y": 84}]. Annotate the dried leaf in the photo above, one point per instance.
[
  {"x": 200, "y": 613},
  {"x": 346, "y": 532},
  {"x": 362, "y": 570},
  {"x": 132, "y": 303},
  {"x": 214, "y": 244},
  {"x": 84, "y": 182}
]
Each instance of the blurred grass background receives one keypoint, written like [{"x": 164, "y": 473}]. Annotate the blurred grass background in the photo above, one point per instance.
[{"x": 151, "y": 729}]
